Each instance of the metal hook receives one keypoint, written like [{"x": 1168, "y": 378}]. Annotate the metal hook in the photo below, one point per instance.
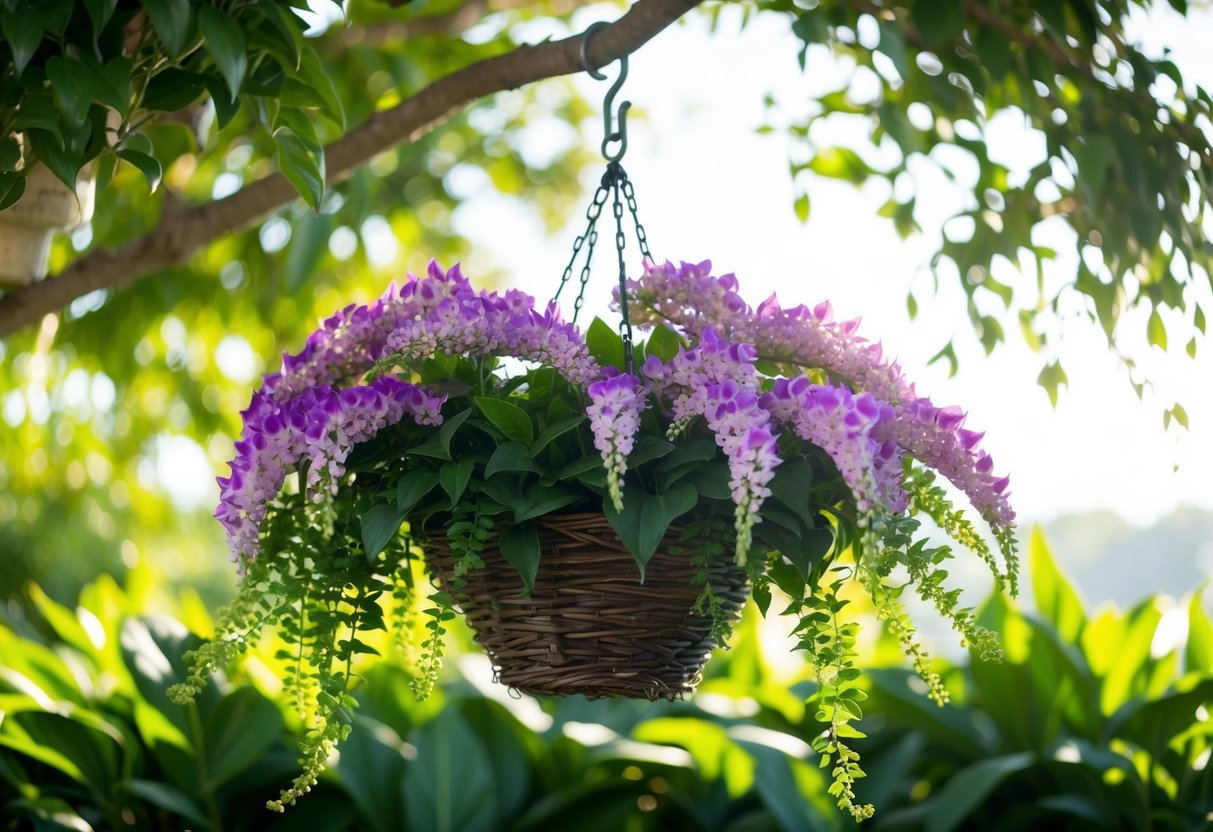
[{"x": 609, "y": 120}]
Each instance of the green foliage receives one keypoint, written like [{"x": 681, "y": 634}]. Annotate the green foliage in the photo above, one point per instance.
[{"x": 1127, "y": 166}]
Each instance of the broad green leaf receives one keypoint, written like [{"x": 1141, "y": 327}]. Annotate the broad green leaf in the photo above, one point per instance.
[
  {"x": 454, "y": 477},
  {"x": 554, "y": 431},
  {"x": 579, "y": 466},
  {"x": 439, "y": 445},
  {"x": 171, "y": 19},
  {"x": 791, "y": 485},
  {"x": 169, "y": 798},
  {"x": 73, "y": 85},
  {"x": 379, "y": 526},
  {"x": 449, "y": 787},
  {"x": 50, "y": 814},
  {"x": 838, "y": 163},
  {"x": 1054, "y": 595},
  {"x": 604, "y": 344},
  {"x": 38, "y": 111},
  {"x": 663, "y": 342},
  {"x": 12, "y": 187},
  {"x": 372, "y": 771},
  {"x": 507, "y": 417},
  {"x": 64, "y": 159},
  {"x": 63, "y": 621},
  {"x": 173, "y": 89},
  {"x": 520, "y": 546},
  {"x": 510, "y": 457},
  {"x": 968, "y": 789},
  {"x": 1131, "y": 660},
  {"x": 238, "y": 733},
  {"x": 1198, "y": 653},
  {"x": 938, "y": 20},
  {"x": 302, "y": 164},
  {"x": 1156, "y": 331},
  {"x": 413, "y": 487},
  {"x": 78, "y": 744},
  {"x": 22, "y": 28},
  {"x": 319, "y": 80},
  {"x": 309, "y": 244},
  {"x": 226, "y": 107},
  {"x": 10, "y": 154},
  {"x": 148, "y": 165},
  {"x": 648, "y": 448},
  {"x": 113, "y": 84},
  {"x": 540, "y": 500},
  {"x": 99, "y": 13},
  {"x": 646, "y": 518}
]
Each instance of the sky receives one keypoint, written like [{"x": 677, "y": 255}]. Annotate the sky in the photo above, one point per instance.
[{"x": 709, "y": 186}]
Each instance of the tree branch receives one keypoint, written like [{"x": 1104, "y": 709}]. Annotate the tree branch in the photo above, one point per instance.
[{"x": 184, "y": 230}]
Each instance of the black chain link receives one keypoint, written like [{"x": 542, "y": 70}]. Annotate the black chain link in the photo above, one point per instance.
[{"x": 616, "y": 183}]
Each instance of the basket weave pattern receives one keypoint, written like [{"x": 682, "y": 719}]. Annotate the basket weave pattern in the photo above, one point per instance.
[{"x": 591, "y": 627}]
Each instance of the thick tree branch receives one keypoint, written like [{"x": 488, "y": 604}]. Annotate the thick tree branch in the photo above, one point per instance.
[{"x": 183, "y": 230}]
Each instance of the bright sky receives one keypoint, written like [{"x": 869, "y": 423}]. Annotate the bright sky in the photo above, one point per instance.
[{"x": 709, "y": 186}]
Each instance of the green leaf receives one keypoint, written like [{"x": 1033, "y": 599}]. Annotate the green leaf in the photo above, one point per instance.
[
  {"x": 540, "y": 500},
  {"x": 113, "y": 83},
  {"x": 148, "y": 165},
  {"x": 1051, "y": 378},
  {"x": 507, "y": 417},
  {"x": 73, "y": 85},
  {"x": 39, "y": 111},
  {"x": 319, "y": 79},
  {"x": 50, "y": 814},
  {"x": 225, "y": 41},
  {"x": 554, "y": 431},
  {"x": 838, "y": 163},
  {"x": 238, "y": 733},
  {"x": 1156, "y": 331},
  {"x": 302, "y": 164},
  {"x": 440, "y": 445},
  {"x": 579, "y": 466},
  {"x": 968, "y": 789},
  {"x": 168, "y": 798},
  {"x": 64, "y": 160},
  {"x": 413, "y": 487},
  {"x": 173, "y": 89},
  {"x": 995, "y": 50},
  {"x": 1198, "y": 653},
  {"x": 455, "y": 476},
  {"x": 893, "y": 44},
  {"x": 379, "y": 526},
  {"x": 646, "y": 518},
  {"x": 647, "y": 449},
  {"x": 801, "y": 207},
  {"x": 22, "y": 28},
  {"x": 511, "y": 457},
  {"x": 663, "y": 343},
  {"x": 604, "y": 344},
  {"x": 12, "y": 187},
  {"x": 226, "y": 108},
  {"x": 171, "y": 20},
  {"x": 99, "y": 13},
  {"x": 1055, "y": 597},
  {"x": 520, "y": 546},
  {"x": 449, "y": 786}
]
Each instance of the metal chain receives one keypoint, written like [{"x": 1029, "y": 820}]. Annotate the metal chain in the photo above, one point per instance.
[
  {"x": 630, "y": 195},
  {"x": 618, "y": 177},
  {"x": 590, "y": 236}
]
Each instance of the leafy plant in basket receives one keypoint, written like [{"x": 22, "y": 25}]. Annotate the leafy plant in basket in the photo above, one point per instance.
[{"x": 600, "y": 529}]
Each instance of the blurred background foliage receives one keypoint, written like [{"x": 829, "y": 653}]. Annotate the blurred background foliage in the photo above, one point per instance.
[{"x": 117, "y": 412}]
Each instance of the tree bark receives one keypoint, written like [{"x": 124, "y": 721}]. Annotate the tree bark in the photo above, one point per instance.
[{"x": 183, "y": 229}]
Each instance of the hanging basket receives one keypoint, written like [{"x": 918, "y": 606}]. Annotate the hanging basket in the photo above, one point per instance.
[{"x": 591, "y": 627}]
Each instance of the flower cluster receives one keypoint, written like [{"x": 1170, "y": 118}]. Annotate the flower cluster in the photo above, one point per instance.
[
  {"x": 690, "y": 298},
  {"x": 320, "y": 426},
  {"x": 614, "y": 412}
]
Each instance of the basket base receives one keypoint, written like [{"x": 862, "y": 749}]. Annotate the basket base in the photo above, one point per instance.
[{"x": 591, "y": 627}]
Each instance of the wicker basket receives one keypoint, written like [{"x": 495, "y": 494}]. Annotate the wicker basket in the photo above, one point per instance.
[{"x": 591, "y": 627}]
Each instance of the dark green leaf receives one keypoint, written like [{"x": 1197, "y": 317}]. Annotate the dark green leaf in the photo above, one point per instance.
[
  {"x": 540, "y": 500},
  {"x": 455, "y": 476},
  {"x": 604, "y": 344},
  {"x": 320, "y": 81},
  {"x": 302, "y": 164},
  {"x": 413, "y": 487},
  {"x": 511, "y": 457},
  {"x": 649, "y": 448},
  {"x": 969, "y": 788},
  {"x": 440, "y": 445},
  {"x": 226, "y": 107},
  {"x": 38, "y": 111},
  {"x": 555, "y": 430},
  {"x": 663, "y": 343},
  {"x": 450, "y": 787},
  {"x": 309, "y": 242},
  {"x": 168, "y": 798},
  {"x": 579, "y": 466},
  {"x": 149, "y": 166},
  {"x": 225, "y": 41},
  {"x": 64, "y": 160},
  {"x": 73, "y": 85},
  {"x": 238, "y": 733},
  {"x": 937, "y": 20},
  {"x": 99, "y": 13},
  {"x": 646, "y": 518},
  {"x": 379, "y": 525},
  {"x": 22, "y": 28},
  {"x": 507, "y": 417},
  {"x": 520, "y": 546},
  {"x": 113, "y": 83},
  {"x": 171, "y": 20},
  {"x": 12, "y": 186},
  {"x": 173, "y": 89}
]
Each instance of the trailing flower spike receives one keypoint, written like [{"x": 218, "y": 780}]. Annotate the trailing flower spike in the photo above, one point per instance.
[{"x": 781, "y": 430}]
